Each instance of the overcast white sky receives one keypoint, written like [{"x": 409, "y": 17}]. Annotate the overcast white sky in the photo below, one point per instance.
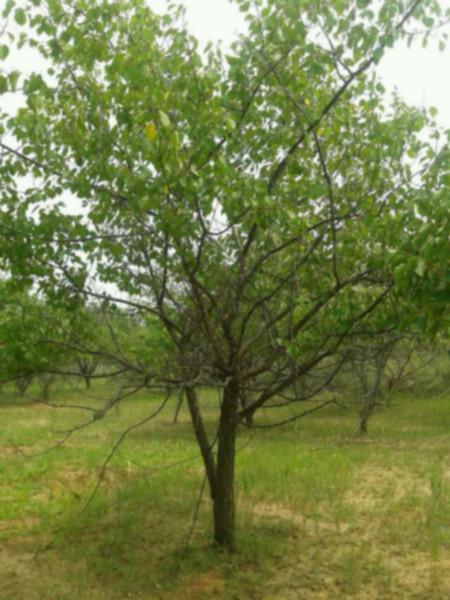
[{"x": 421, "y": 75}]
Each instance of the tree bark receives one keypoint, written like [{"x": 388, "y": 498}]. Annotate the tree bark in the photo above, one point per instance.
[
  {"x": 244, "y": 402},
  {"x": 46, "y": 382},
  {"x": 224, "y": 499},
  {"x": 364, "y": 418},
  {"x": 178, "y": 408},
  {"x": 371, "y": 398},
  {"x": 22, "y": 385},
  {"x": 202, "y": 439}
]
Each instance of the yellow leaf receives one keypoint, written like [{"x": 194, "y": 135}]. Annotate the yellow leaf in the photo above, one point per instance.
[
  {"x": 166, "y": 189},
  {"x": 150, "y": 132}
]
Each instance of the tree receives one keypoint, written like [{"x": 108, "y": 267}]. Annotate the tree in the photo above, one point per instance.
[
  {"x": 257, "y": 204},
  {"x": 25, "y": 323},
  {"x": 371, "y": 362},
  {"x": 87, "y": 367}
]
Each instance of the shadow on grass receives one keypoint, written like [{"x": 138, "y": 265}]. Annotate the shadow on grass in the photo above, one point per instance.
[{"x": 13, "y": 400}]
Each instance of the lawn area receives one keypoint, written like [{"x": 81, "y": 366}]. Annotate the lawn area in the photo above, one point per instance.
[{"x": 321, "y": 513}]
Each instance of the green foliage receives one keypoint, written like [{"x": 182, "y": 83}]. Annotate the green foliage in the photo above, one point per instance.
[
  {"x": 152, "y": 137},
  {"x": 26, "y": 327}
]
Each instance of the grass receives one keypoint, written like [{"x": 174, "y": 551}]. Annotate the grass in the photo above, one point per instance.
[{"x": 321, "y": 513}]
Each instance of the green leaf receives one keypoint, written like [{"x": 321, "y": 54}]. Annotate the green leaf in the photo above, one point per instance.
[
  {"x": 8, "y": 8},
  {"x": 377, "y": 55},
  {"x": 145, "y": 203},
  {"x": 388, "y": 40},
  {"x": 421, "y": 267},
  {"x": 20, "y": 16},
  {"x": 230, "y": 123},
  {"x": 4, "y": 51},
  {"x": 164, "y": 118},
  {"x": 315, "y": 69},
  {"x": 421, "y": 322},
  {"x": 13, "y": 78}
]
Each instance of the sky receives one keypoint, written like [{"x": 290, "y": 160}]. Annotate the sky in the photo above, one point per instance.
[{"x": 421, "y": 75}]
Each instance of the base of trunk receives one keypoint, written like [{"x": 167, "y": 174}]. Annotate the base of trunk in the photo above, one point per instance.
[{"x": 224, "y": 500}]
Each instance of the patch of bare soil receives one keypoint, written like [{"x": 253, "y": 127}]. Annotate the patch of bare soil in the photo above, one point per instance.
[
  {"x": 14, "y": 563},
  {"x": 16, "y": 569},
  {"x": 14, "y": 451},
  {"x": 24, "y": 574},
  {"x": 378, "y": 485},
  {"x": 76, "y": 482},
  {"x": 204, "y": 585},
  {"x": 17, "y": 525},
  {"x": 416, "y": 572},
  {"x": 305, "y": 523},
  {"x": 69, "y": 481},
  {"x": 40, "y": 422}
]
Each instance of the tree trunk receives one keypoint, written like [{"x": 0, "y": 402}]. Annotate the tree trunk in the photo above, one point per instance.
[
  {"x": 224, "y": 500},
  {"x": 371, "y": 398},
  {"x": 46, "y": 382},
  {"x": 221, "y": 474},
  {"x": 22, "y": 385},
  {"x": 244, "y": 402},
  {"x": 178, "y": 408},
  {"x": 364, "y": 418},
  {"x": 202, "y": 439}
]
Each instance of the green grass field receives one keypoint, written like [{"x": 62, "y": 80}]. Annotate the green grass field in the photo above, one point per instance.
[{"x": 321, "y": 513}]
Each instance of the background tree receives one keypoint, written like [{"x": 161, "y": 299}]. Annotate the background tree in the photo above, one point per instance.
[
  {"x": 25, "y": 323},
  {"x": 370, "y": 362},
  {"x": 259, "y": 205}
]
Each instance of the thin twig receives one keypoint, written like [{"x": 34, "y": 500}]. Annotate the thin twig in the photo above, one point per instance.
[
  {"x": 117, "y": 445},
  {"x": 196, "y": 512}
]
